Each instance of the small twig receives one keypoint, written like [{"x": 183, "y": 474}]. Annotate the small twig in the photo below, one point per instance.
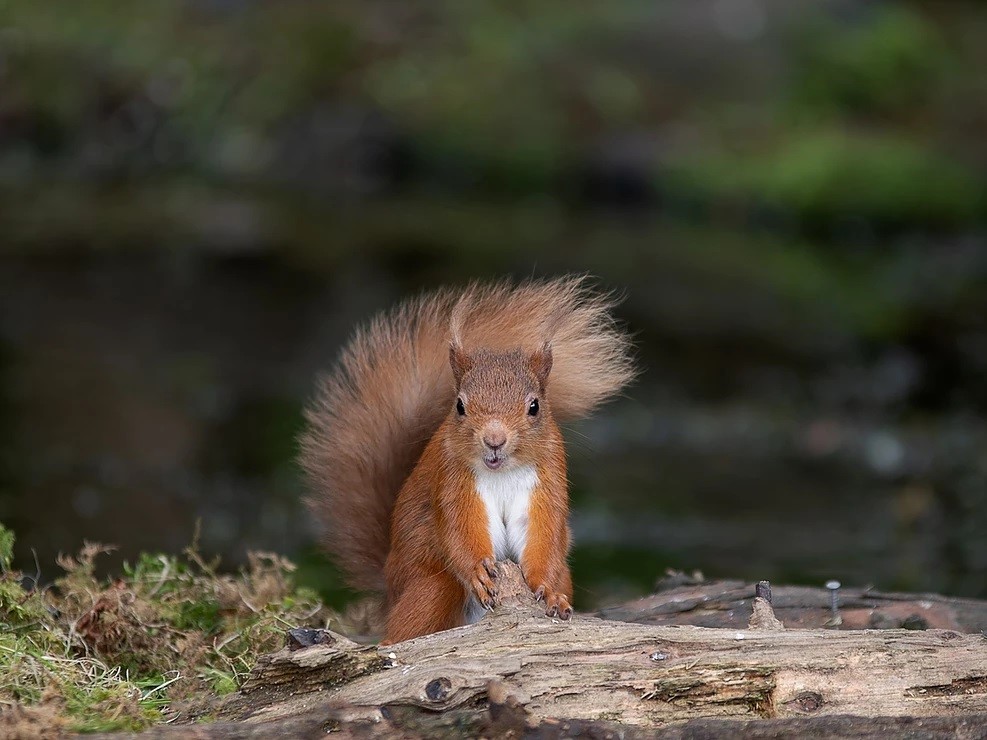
[
  {"x": 250, "y": 606},
  {"x": 162, "y": 578},
  {"x": 312, "y": 613},
  {"x": 227, "y": 641},
  {"x": 283, "y": 621},
  {"x": 165, "y": 685},
  {"x": 37, "y": 569}
]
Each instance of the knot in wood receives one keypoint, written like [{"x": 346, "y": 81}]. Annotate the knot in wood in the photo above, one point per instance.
[
  {"x": 809, "y": 701},
  {"x": 438, "y": 689}
]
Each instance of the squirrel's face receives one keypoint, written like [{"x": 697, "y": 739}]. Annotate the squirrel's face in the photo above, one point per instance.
[{"x": 500, "y": 409}]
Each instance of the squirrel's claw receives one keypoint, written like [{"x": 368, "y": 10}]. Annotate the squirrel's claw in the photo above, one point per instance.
[
  {"x": 484, "y": 584},
  {"x": 556, "y": 604},
  {"x": 490, "y": 566}
]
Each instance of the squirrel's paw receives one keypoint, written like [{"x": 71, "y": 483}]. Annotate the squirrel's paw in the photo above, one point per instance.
[
  {"x": 556, "y": 604},
  {"x": 484, "y": 583}
]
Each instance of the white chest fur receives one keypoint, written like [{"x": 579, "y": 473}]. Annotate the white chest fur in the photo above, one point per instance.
[{"x": 506, "y": 495}]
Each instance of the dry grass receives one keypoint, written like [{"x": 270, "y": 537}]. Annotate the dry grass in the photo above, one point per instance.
[{"x": 149, "y": 646}]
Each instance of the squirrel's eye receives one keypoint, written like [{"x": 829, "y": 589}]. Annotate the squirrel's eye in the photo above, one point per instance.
[
  {"x": 533, "y": 407},
  {"x": 460, "y": 408}
]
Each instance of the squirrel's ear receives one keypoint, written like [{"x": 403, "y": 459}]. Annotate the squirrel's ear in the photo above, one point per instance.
[
  {"x": 541, "y": 363},
  {"x": 459, "y": 360}
]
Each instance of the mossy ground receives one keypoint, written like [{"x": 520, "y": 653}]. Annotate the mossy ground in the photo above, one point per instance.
[{"x": 155, "y": 643}]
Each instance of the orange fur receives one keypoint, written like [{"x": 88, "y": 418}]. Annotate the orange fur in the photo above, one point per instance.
[
  {"x": 391, "y": 460},
  {"x": 544, "y": 561}
]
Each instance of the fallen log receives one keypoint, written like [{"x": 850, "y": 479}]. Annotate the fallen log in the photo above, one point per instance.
[
  {"x": 683, "y": 599},
  {"x": 519, "y": 667},
  {"x": 630, "y": 674},
  {"x": 510, "y": 720}
]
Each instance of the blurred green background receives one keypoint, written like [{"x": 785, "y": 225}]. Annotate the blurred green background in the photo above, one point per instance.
[{"x": 199, "y": 200}]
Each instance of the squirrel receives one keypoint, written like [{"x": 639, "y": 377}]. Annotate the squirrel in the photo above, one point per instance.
[{"x": 433, "y": 449}]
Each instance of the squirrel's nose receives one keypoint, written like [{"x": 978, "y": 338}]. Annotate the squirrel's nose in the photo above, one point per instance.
[{"x": 494, "y": 439}]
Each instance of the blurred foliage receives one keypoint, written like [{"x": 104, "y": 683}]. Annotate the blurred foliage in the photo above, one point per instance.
[
  {"x": 791, "y": 195},
  {"x": 513, "y": 99},
  {"x": 890, "y": 62},
  {"x": 7, "y": 411},
  {"x": 502, "y": 92},
  {"x": 834, "y": 180},
  {"x": 602, "y": 574},
  {"x": 250, "y": 67},
  {"x": 856, "y": 148},
  {"x": 259, "y": 438}
]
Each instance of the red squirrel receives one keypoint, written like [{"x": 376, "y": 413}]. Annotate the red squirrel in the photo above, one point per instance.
[{"x": 433, "y": 448}]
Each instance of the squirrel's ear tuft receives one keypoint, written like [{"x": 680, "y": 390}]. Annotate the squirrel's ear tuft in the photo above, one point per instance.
[
  {"x": 541, "y": 363},
  {"x": 459, "y": 360}
]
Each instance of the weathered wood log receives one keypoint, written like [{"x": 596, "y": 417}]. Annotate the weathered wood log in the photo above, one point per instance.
[
  {"x": 509, "y": 719},
  {"x": 519, "y": 673},
  {"x": 591, "y": 670},
  {"x": 681, "y": 599}
]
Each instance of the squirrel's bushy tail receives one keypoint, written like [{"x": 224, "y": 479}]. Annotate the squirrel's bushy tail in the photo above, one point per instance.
[{"x": 393, "y": 386}]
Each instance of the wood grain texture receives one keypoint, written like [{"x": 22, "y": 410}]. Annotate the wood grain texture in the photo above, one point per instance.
[{"x": 645, "y": 676}]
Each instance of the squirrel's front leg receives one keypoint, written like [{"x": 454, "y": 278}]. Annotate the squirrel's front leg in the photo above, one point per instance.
[
  {"x": 468, "y": 549},
  {"x": 544, "y": 560}
]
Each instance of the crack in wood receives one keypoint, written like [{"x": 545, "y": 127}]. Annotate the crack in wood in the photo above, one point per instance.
[
  {"x": 749, "y": 687},
  {"x": 958, "y": 687}
]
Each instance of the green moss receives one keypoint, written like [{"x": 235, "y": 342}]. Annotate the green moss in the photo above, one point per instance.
[
  {"x": 110, "y": 655},
  {"x": 6, "y": 548},
  {"x": 203, "y": 616},
  {"x": 221, "y": 682}
]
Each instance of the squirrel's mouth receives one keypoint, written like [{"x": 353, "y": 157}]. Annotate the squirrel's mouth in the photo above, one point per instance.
[{"x": 493, "y": 461}]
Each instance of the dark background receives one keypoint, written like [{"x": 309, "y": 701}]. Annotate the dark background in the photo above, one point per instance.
[{"x": 200, "y": 199}]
